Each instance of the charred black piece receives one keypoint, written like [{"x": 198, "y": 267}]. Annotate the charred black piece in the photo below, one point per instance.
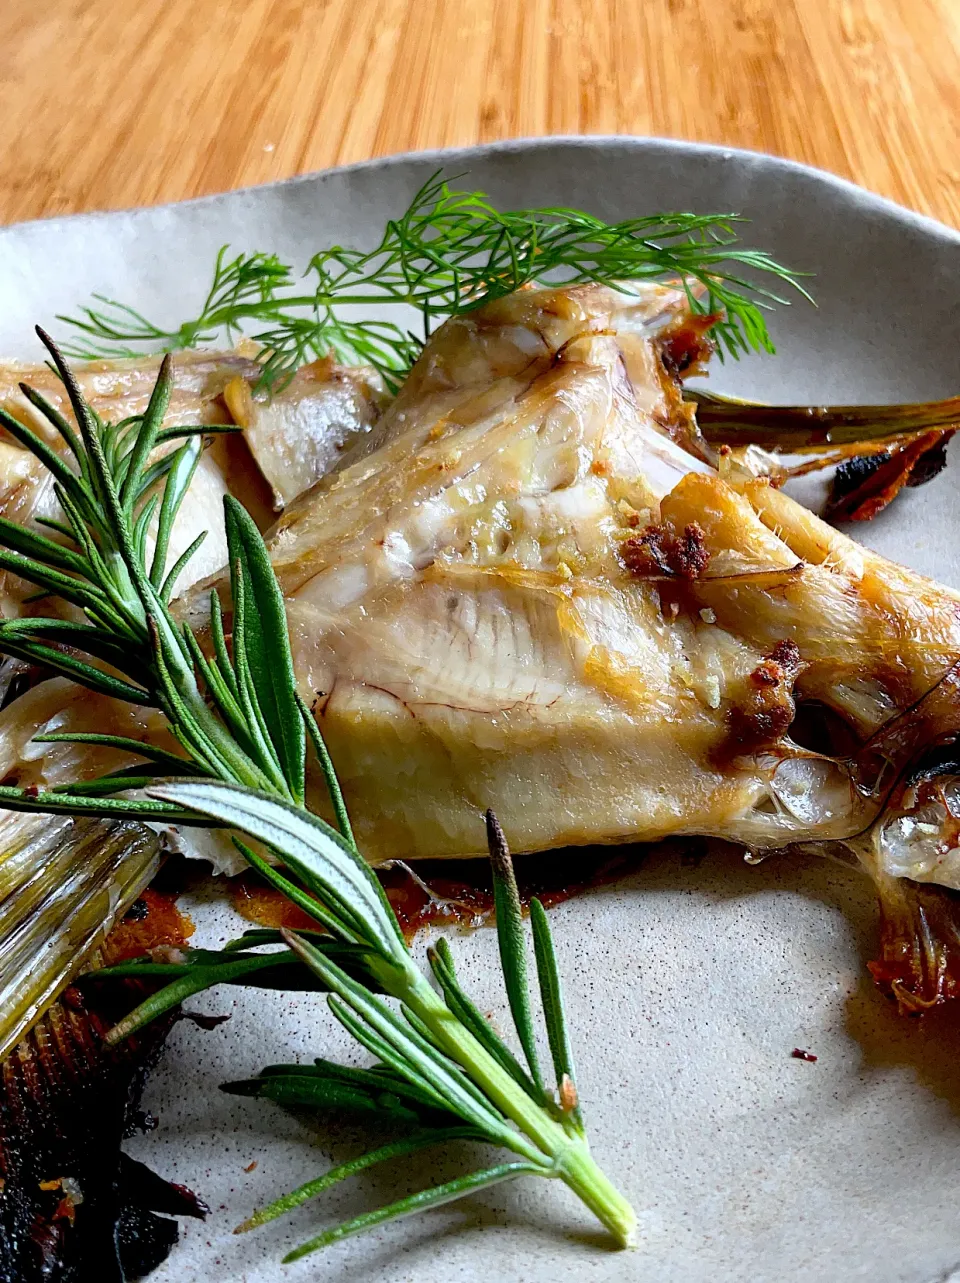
[
  {"x": 852, "y": 473},
  {"x": 930, "y": 464},
  {"x": 865, "y": 484},
  {"x": 73, "y": 1207}
]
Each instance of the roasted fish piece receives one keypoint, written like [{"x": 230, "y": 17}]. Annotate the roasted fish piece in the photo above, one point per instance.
[
  {"x": 62, "y": 886},
  {"x": 293, "y": 438},
  {"x": 296, "y": 436},
  {"x": 529, "y": 588}
]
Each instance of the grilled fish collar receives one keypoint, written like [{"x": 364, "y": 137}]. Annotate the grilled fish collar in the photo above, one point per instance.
[{"x": 530, "y": 588}]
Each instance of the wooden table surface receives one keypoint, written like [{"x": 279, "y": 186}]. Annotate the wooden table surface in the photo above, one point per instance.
[{"x": 109, "y": 103}]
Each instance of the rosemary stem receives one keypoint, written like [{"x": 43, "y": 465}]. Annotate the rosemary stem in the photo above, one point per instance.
[
  {"x": 240, "y": 722},
  {"x": 572, "y": 1161}
]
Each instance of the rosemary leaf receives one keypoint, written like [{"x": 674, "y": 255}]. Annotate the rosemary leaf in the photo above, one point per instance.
[
  {"x": 46, "y": 802},
  {"x": 256, "y": 733},
  {"x": 54, "y": 417},
  {"x": 266, "y": 645},
  {"x": 147, "y": 435},
  {"x": 305, "y": 1091},
  {"x": 170, "y": 582},
  {"x": 440, "y": 958},
  {"x": 377, "y": 1079},
  {"x": 436, "y": 1197},
  {"x": 329, "y": 775},
  {"x": 551, "y": 996},
  {"x": 97, "y": 642},
  {"x": 142, "y": 527},
  {"x": 169, "y": 761},
  {"x": 46, "y": 455},
  {"x": 12, "y": 642},
  {"x": 221, "y": 654},
  {"x": 513, "y": 945},
  {"x": 326, "y": 915},
  {"x": 396, "y": 1149},
  {"x": 48, "y": 577},
  {"x": 179, "y": 472},
  {"x": 315, "y": 852},
  {"x": 40, "y": 549},
  {"x": 324, "y": 1086},
  {"x": 194, "y": 980}
]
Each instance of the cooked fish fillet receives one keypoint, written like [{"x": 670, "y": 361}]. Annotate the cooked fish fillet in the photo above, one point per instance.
[
  {"x": 529, "y": 589},
  {"x": 528, "y": 595},
  {"x": 293, "y": 438}
]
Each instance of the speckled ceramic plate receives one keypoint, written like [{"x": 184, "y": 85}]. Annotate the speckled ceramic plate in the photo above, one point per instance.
[{"x": 688, "y": 987}]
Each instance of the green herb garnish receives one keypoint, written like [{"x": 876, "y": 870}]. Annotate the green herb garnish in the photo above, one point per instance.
[
  {"x": 243, "y": 736},
  {"x": 450, "y": 253}
]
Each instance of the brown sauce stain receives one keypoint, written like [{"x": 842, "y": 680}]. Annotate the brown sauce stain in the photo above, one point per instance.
[
  {"x": 452, "y": 893},
  {"x": 266, "y": 906}
]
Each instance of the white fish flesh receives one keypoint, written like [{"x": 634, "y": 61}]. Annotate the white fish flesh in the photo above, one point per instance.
[
  {"x": 293, "y": 438},
  {"x": 529, "y": 589}
]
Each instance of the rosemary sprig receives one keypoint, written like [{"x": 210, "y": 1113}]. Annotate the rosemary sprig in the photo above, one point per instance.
[
  {"x": 451, "y": 252},
  {"x": 243, "y": 732}
]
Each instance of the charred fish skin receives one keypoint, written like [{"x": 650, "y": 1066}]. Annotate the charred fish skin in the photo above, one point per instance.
[
  {"x": 64, "y": 1211},
  {"x": 73, "y": 1206}
]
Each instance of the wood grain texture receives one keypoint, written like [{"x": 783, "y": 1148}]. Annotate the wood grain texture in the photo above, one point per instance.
[{"x": 110, "y": 103}]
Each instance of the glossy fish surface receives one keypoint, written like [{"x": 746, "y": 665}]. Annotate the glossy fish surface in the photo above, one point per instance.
[{"x": 529, "y": 588}]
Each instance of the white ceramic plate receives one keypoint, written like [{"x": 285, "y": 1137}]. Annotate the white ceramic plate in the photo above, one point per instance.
[{"x": 688, "y": 987}]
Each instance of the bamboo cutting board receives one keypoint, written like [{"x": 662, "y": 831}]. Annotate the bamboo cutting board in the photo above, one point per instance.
[{"x": 109, "y": 103}]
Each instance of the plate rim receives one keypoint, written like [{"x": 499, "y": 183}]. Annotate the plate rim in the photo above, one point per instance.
[{"x": 851, "y": 191}]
